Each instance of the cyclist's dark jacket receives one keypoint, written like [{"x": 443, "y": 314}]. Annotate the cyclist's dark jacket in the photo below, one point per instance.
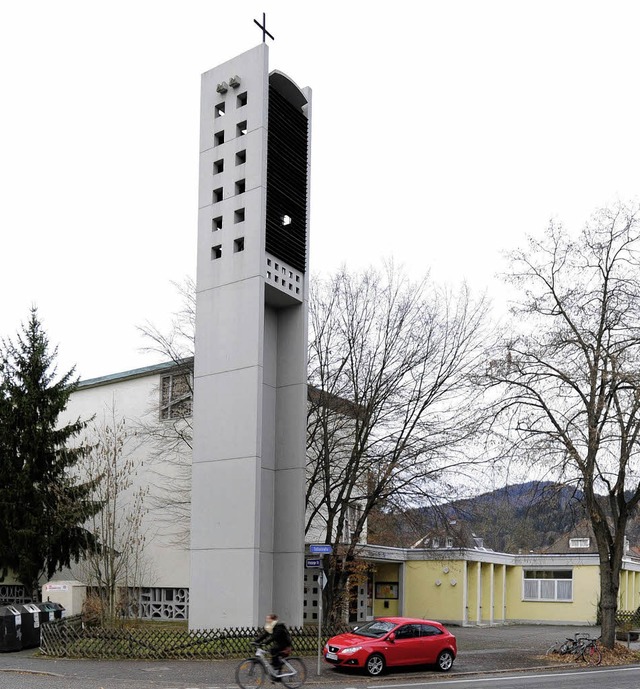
[{"x": 279, "y": 636}]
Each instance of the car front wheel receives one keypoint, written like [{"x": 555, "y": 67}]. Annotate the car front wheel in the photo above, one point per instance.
[
  {"x": 375, "y": 665},
  {"x": 445, "y": 661}
]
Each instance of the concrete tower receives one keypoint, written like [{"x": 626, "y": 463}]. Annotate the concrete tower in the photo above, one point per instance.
[{"x": 250, "y": 388}]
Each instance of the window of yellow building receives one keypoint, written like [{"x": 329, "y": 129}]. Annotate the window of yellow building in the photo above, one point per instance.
[{"x": 548, "y": 584}]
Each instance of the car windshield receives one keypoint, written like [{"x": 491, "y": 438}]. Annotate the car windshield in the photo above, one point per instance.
[{"x": 374, "y": 629}]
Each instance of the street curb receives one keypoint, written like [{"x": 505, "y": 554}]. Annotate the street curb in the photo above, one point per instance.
[{"x": 24, "y": 671}]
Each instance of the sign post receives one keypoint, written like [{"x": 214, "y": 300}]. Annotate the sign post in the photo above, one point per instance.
[
  {"x": 319, "y": 549},
  {"x": 322, "y": 582}
]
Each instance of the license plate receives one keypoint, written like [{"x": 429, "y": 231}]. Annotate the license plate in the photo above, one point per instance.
[{"x": 331, "y": 656}]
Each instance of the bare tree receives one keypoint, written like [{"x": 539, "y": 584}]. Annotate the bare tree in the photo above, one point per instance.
[
  {"x": 169, "y": 436},
  {"x": 177, "y": 344},
  {"x": 392, "y": 408},
  {"x": 118, "y": 563},
  {"x": 569, "y": 381}
]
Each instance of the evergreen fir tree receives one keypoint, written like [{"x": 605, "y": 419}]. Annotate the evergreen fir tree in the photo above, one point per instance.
[{"x": 43, "y": 505}]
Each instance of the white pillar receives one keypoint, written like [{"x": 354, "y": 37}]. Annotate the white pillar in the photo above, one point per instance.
[
  {"x": 491, "y": 574},
  {"x": 465, "y": 594},
  {"x": 479, "y": 596}
]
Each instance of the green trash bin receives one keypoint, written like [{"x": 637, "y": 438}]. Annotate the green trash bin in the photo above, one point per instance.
[{"x": 49, "y": 611}]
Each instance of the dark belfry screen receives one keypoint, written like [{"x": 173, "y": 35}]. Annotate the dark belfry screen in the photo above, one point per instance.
[{"x": 286, "y": 232}]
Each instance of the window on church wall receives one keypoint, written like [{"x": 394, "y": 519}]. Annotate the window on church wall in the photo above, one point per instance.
[
  {"x": 352, "y": 516},
  {"x": 176, "y": 396}
]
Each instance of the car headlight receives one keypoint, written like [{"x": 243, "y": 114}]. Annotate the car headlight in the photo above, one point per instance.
[{"x": 353, "y": 649}]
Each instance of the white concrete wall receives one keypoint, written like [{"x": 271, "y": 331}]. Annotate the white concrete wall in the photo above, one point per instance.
[{"x": 136, "y": 399}]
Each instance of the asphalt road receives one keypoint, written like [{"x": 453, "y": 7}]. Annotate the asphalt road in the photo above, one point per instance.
[
  {"x": 488, "y": 657},
  {"x": 620, "y": 678}
]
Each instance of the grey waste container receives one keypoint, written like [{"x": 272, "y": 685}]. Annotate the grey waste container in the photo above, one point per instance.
[
  {"x": 10, "y": 629},
  {"x": 30, "y": 625}
]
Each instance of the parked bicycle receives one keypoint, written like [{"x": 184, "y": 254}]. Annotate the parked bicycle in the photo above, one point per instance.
[
  {"x": 582, "y": 646},
  {"x": 251, "y": 672}
]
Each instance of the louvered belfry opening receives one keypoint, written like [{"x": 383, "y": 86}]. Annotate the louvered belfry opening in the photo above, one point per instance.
[{"x": 287, "y": 181}]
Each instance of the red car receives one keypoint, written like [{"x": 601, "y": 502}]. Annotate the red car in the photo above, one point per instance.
[{"x": 393, "y": 641}]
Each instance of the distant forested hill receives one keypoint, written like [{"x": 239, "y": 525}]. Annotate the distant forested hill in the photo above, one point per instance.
[{"x": 522, "y": 517}]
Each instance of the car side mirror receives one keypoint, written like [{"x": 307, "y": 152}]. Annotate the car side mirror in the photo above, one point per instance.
[{"x": 391, "y": 637}]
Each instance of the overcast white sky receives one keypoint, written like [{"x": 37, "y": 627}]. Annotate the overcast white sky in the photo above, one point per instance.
[{"x": 443, "y": 133}]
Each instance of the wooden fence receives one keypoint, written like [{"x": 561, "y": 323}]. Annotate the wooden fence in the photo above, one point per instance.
[
  {"x": 628, "y": 619},
  {"x": 71, "y": 638}
]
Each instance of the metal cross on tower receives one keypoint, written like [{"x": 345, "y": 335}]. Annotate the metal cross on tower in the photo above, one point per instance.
[{"x": 263, "y": 26}]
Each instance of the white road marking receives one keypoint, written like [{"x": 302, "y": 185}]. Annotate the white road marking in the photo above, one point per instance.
[{"x": 510, "y": 678}]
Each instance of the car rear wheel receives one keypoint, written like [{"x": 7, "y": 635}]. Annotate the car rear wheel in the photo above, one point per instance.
[
  {"x": 445, "y": 661},
  {"x": 375, "y": 665}
]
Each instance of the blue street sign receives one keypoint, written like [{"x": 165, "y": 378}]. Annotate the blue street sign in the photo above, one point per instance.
[
  {"x": 324, "y": 549},
  {"x": 313, "y": 563}
]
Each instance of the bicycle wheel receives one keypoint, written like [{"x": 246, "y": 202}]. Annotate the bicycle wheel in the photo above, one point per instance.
[
  {"x": 592, "y": 655},
  {"x": 299, "y": 670},
  {"x": 250, "y": 674},
  {"x": 554, "y": 649}
]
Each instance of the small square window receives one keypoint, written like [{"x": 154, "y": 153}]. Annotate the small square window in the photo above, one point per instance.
[
  {"x": 217, "y": 195},
  {"x": 218, "y": 166},
  {"x": 216, "y": 252},
  {"x": 297, "y": 290},
  {"x": 238, "y": 215},
  {"x": 218, "y": 138},
  {"x": 269, "y": 263},
  {"x": 240, "y": 186},
  {"x": 241, "y": 128},
  {"x": 241, "y": 100},
  {"x": 238, "y": 245},
  {"x": 216, "y": 223},
  {"x": 219, "y": 110},
  {"x": 241, "y": 157}
]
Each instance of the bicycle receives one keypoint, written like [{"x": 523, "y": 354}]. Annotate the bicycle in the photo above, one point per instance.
[
  {"x": 591, "y": 654},
  {"x": 251, "y": 672},
  {"x": 567, "y": 646},
  {"x": 582, "y": 646}
]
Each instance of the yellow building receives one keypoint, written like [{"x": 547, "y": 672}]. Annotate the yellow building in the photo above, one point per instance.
[{"x": 467, "y": 586}]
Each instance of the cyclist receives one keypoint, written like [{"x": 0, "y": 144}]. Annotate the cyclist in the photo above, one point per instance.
[{"x": 276, "y": 633}]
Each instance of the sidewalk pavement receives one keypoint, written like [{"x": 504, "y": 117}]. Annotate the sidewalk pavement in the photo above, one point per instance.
[{"x": 480, "y": 650}]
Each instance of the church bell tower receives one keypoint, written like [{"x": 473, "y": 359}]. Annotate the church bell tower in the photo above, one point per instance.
[{"x": 250, "y": 371}]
